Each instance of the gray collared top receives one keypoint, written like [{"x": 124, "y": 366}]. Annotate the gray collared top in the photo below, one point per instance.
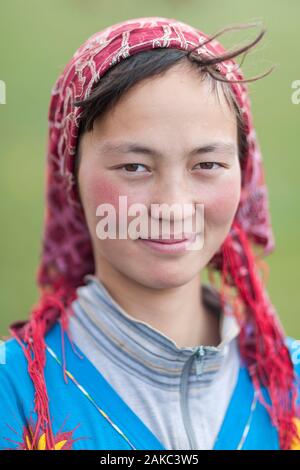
[{"x": 180, "y": 393}]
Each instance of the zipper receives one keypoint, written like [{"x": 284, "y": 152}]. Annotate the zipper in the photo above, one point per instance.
[{"x": 198, "y": 355}]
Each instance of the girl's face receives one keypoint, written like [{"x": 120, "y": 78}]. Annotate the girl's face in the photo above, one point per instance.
[{"x": 171, "y": 115}]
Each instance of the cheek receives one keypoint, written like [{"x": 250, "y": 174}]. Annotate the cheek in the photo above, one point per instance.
[
  {"x": 101, "y": 189},
  {"x": 222, "y": 204}
]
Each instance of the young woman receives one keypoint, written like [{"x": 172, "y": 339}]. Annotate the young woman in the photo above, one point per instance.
[{"x": 127, "y": 348}]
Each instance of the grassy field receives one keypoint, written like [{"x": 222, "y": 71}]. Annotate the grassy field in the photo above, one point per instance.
[{"x": 38, "y": 37}]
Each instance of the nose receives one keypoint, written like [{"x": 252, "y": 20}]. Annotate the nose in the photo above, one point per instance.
[
  {"x": 174, "y": 204},
  {"x": 175, "y": 210},
  {"x": 173, "y": 192}
]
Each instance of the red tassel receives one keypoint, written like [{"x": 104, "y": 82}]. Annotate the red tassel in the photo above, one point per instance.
[
  {"x": 262, "y": 339},
  {"x": 52, "y": 305}
]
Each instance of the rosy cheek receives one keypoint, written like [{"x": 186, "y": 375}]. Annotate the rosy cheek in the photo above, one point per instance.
[
  {"x": 221, "y": 206},
  {"x": 102, "y": 190}
]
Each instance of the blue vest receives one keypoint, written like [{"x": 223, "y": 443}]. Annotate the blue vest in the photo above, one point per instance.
[{"x": 87, "y": 413}]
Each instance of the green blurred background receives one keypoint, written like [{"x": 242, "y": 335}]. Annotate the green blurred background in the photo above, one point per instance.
[{"x": 38, "y": 37}]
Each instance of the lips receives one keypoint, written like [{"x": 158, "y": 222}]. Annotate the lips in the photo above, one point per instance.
[
  {"x": 172, "y": 239},
  {"x": 169, "y": 246}
]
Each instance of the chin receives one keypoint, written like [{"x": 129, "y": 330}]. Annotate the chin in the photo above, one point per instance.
[{"x": 166, "y": 279}]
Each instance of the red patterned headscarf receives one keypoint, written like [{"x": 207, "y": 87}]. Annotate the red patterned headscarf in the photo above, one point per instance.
[{"x": 67, "y": 254}]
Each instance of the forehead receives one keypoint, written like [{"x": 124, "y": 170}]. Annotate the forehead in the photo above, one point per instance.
[{"x": 172, "y": 108}]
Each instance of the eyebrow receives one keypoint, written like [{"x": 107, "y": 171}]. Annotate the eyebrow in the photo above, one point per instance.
[{"x": 134, "y": 147}]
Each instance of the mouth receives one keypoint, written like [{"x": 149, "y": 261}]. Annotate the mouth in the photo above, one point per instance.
[
  {"x": 165, "y": 241},
  {"x": 170, "y": 240},
  {"x": 169, "y": 245}
]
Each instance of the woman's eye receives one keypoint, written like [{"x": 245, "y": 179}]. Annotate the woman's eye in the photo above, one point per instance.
[
  {"x": 140, "y": 168},
  {"x": 132, "y": 167},
  {"x": 208, "y": 165}
]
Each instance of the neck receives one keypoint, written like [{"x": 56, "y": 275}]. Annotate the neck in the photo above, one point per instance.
[{"x": 177, "y": 312}]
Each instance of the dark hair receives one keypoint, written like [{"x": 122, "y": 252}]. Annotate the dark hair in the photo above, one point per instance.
[{"x": 132, "y": 70}]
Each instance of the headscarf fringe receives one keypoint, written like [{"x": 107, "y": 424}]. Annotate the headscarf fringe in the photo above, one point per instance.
[
  {"x": 262, "y": 338},
  {"x": 53, "y": 305}
]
